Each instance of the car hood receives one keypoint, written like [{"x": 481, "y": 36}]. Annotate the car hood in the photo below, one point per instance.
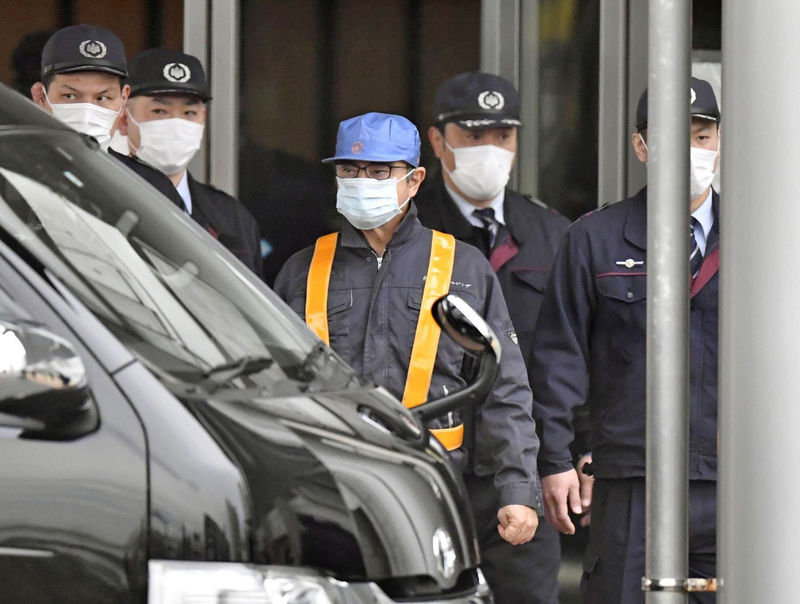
[{"x": 342, "y": 481}]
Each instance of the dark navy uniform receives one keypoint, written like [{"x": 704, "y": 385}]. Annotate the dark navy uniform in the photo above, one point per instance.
[
  {"x": 158, "y": 72},
  {"x": 523, "y": 253},
  {"x": 590, "y": 347},
  {"x": 372, "y": 318},
  {"x": 520, "y": 250},
  {"x": 228, "y": 221},
  {"x": 220, "y": 214},
  {"x": 525, "y": 248},
  {"x": 157, "y": 179}
]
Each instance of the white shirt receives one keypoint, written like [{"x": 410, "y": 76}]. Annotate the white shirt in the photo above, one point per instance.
[
  {"x": 467, "y": 209},
  {"x": 183, "y": 190},
  {"x": 705, "y": 216}
]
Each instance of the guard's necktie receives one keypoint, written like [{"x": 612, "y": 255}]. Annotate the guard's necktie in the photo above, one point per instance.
[
  {"x": 490, "y": 224},
  {"x": 695, "y": 256}
]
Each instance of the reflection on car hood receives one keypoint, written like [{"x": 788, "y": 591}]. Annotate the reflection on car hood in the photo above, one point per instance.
[{"x": 334, "y": 489}]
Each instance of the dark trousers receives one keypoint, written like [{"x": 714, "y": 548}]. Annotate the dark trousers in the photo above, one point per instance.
[
  {"x": 615, "y": 558},
  {"x": 517, "y": 574}
]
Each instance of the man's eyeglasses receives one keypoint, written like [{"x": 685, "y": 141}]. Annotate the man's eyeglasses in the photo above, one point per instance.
[{"x": 376, "y": 171}]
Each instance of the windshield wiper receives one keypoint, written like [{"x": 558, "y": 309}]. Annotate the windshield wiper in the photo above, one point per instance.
[{"x": 247, "y": 365}]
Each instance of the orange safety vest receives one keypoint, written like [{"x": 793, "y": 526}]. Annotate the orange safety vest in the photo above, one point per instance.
[{"x": 426, "y": 339}]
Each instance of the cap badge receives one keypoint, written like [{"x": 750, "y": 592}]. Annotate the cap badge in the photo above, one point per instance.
[
  {"x": 357, "y": 148},
  {"x": 692, "y": 96},
  {"x": 491, "y": 99},
  {"x": 93, "y": 49},
  {"x": 177, "y": 72}
]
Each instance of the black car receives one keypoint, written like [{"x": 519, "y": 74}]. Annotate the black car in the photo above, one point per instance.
[{"x": 171, "y": 432}]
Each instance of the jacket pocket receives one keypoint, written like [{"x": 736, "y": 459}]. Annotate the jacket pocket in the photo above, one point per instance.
[
  {"x": 625, "y": 288},
  {"x": 621, "y": 318},
  {"x": 339, "y": 304}
]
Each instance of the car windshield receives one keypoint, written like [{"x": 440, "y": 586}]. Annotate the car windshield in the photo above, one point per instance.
[{"x": 181, "y": 302}]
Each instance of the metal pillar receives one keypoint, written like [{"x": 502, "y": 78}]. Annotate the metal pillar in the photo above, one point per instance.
[
  {"x": 613, "y": 130},
  {"x": 668, "y": 298},
  {"x": 528, "y": 168},
  {"x": 195, "y": 43},
  {"x": 760, "y": 331},
  {"x": 211, "y": 33},
  {"x": 638, "y": 66},
  {"x": 510, "y": 48},
  {"x": 623, "y": 77},
  {"x": 224, "y": 118}
]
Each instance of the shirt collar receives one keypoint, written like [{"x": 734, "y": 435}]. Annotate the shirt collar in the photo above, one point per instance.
[
  {"x": 183, "y": 190},
  {"x": 467, "y": 209},
  {"x": 705, "y": 214}
]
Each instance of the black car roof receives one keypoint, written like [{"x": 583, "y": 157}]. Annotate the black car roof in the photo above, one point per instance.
[{"x": 17, "y": 110}]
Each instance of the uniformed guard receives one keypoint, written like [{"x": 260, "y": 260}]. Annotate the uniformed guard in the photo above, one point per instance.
[
  {"x": 164, "y": 124},
  {"x": 475, "y": 138},
  {"x": 590, "y": 347},
  {"x": 82, "y": 71},
  {"x": 368, "y": 291}
]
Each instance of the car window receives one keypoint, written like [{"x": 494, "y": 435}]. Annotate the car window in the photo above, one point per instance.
[{"x": 172, "y": 294}]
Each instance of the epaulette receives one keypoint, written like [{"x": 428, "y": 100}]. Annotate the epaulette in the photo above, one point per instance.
[
  {"x": 590, "y": 212},
  {"x": 536, "y": 201}
]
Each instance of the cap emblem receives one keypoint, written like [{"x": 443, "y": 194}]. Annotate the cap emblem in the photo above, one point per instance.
[
  {"x": 491, "y": 99},
  {"x": 357, "y": 148},
  {"x": 177, "y": 72},
  {"x": 93, "y": 49},
  {"x": 692, "y": 96}
]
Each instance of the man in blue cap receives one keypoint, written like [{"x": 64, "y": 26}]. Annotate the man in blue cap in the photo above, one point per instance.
[
  {"x": 366, "y": 291},
  {"x": 589, "y": 348}
]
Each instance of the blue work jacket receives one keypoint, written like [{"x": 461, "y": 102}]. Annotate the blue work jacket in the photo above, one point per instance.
[
  {"x": 372, "y": 319},
  {"x": 590, "y": 347}
]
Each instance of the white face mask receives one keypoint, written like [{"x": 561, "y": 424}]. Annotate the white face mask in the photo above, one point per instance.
[
  {"x": 87, "y": 118},
  {"x": 703, "y": 164},
  {"x": 168, "y": 145},
  {"x": 368, "y": 203},
  {"x": 481, "y": 171},
  {"x": 702, "y": 167}
]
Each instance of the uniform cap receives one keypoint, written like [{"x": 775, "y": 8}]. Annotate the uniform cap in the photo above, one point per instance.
[
  {"x": 701, "y": 96},
  {"x": 377, "y": 137},
  {"x": 159, "y": 71},
  {"x": 83, "y": 48},
  {"x": 477, "y": 100}
]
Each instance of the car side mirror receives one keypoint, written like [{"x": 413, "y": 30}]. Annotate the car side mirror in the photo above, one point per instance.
[
  {"x": 467, "y": 328},
  {"x": 43, "y": 386}
]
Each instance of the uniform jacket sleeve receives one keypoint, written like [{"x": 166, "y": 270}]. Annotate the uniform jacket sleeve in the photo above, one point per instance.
[
  {"x": 559, "y": 358},
  {"x": 505, "y": 432}
]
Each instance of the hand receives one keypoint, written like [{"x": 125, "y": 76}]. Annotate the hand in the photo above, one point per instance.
[
  {"x": 517, "y": 523},
  {"x": 587, "y": 484},
  {"x": 558, "y": 490}
]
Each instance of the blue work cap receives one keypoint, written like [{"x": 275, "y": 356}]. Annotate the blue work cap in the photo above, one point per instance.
[{"x": 377, "y": 137}]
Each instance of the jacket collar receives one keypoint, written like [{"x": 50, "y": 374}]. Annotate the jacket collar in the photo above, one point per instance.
[
  {"x": 636, "y": 221},
  {"x": 408, "y": 228},
  {"x": 461, "y": 228}
]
